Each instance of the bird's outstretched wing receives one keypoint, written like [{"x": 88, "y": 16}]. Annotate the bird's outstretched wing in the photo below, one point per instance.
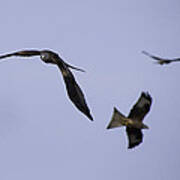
[
  {"x": 160, "y": 60},
  {"x": 141, "y": 108},
  {"x": 135, "y": 137},
  {"x": 152, "y": 56},
  {"x": 137, "y": 113},
  {"x": 26, "y": 53},
  {"x": 74, "y": 91}
]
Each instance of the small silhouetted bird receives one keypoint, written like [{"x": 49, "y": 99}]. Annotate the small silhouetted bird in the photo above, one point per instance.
[
  {"x": 160, "y": 60},
  {"x": 134, "y": 121},
  {"x": 73, "y": 90}
]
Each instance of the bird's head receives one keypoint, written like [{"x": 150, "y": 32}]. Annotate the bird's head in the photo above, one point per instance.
[{"x": 48, "y": 56}]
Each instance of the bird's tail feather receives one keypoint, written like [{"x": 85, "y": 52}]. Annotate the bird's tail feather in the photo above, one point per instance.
[
  {"x": 73, "y": 67},
  {"x": 118, "y": 120}
]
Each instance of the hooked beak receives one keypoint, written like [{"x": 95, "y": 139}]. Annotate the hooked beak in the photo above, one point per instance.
[{"x": 145, "y": 127}]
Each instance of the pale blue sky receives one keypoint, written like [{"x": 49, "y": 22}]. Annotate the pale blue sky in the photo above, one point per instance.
[{"x": 42, "y": 135}]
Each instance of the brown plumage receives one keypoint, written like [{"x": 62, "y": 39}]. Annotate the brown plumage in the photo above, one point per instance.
[
  {"x": 73, "y": 90},
  {"x": 160, "y": 60},
  {"x": 134, "y": 121}
]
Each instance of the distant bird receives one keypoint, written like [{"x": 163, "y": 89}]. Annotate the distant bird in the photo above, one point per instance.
[
  {"x": 161, "y": 61},
  {"x": 73, "y": 90},
  {"x": 134, "y": 121}
]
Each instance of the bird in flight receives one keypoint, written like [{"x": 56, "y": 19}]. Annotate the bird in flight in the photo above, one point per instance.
[
  {"x": 159, "y": 60},
  {"x": 134, "y": 122},
  {"x": 73, "y": 90}
]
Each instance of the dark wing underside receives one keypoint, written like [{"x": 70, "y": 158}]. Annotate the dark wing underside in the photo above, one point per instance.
[
  {"x": 141, "y": 108},
  {"x": 135, "y": 137},
  {"x": 152, "y": 56},
  {"x": 137, "y": 113},
  {"x": 74, "y": 92},
  {"x": 159, "y": 59},
  {"x": 27, "y": 53}
]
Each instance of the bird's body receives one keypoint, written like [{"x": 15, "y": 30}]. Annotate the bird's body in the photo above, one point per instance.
[
  {"x": 73, "y": 90},
  {"x": 134, "y": 121},
  {"x": 160, "y": 60}
]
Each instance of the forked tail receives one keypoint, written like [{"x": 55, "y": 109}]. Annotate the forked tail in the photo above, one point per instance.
[
  {"x": 118, "y": 120},
  {"x": 73, "y": 67}
]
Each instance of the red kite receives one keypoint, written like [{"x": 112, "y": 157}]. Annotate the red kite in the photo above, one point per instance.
[
  {"x": 159, "y": 60},
  {"x": 134, "y": 121},
  {"x": 73, "y": 90}
]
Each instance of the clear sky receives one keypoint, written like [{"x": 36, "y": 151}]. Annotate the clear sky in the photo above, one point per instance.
[{"x": 42, "y": 135}]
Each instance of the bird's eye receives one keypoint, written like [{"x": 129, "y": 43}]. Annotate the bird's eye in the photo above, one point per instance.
[{"x": 44, "y": 56}]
